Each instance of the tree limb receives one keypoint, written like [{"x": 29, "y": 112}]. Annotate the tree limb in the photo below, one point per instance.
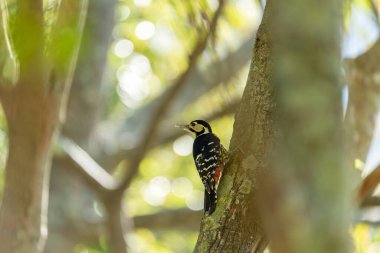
[
  {"x": 368, "y": 186},
  {"x": 93, "y": 173},
  {"x": 370, "y": 202}
]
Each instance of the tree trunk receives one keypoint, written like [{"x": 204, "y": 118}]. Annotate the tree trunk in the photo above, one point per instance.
[
  {"x": 306, "y": 198},
  {"x": 235, "y": 227},
  {"x": 32, "y": 107},
  {"x": 31, "y": 128}
]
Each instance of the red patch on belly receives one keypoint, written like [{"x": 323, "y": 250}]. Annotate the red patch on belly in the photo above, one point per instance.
[{"x": 218, "y": 173}]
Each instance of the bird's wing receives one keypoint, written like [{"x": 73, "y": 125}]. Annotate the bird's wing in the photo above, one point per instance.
[{"x": 207, "y": 161}]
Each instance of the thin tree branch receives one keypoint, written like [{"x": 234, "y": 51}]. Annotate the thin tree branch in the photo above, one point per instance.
[
  {"x": 370, "y": 202},
  {"x": 81, "y": 162},
  {"x": 368, "y": 185},
  {"x": 371, "y": 223},
  {"x": 163, "y": 107}
]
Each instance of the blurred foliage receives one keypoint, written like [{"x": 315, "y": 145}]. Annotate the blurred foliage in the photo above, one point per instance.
[
  {"x": 151, "y": 44},
  {"x": 158, "y": 43},
  {"x": 366, "y": 238}
]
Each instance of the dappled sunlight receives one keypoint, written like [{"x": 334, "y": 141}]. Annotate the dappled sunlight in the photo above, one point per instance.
[
  {"x": 145, "y": 30},
  {"x": 157, "y": 190},
  {"x": 123, "y": 48}
]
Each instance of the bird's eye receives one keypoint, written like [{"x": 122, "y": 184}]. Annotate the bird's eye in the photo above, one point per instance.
[{"x": 192, "y": 124}]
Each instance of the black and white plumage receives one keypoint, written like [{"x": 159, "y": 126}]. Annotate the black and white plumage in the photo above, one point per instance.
[{"x": 210, "y": 157}]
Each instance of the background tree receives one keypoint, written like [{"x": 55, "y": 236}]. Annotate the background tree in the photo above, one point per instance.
[{"x": 32, "y": 103}]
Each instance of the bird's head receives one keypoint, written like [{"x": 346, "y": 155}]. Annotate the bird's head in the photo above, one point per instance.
[{"x": 196, "y": 127}]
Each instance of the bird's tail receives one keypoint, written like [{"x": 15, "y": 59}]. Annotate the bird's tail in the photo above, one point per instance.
[{"x": 210, "y": 202}]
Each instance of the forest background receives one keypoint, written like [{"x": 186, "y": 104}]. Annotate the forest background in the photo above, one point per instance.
[{"x": 134, "y": 72}]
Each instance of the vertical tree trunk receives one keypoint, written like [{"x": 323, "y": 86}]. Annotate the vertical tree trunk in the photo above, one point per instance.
[
  {"x": 235, "y": 227},
  {"x": 32, "y": 107},
  {"x": 30, "y": 133},
  {"x": 306, "y": 196},
  {"x": 31, "y": 127}
]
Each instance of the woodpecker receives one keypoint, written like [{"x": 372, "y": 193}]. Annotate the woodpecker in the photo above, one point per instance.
[{"x": 210, "y": 158}]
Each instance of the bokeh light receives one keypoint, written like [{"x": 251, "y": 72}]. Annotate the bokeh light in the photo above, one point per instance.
[
  {"x": 145, "y": 30},
  {"x": 182, "y": 187},
  {"x": 134, "y": 77},
  {"x": 123, "y": 48},
  {"x": 183, "y": 145},
  {"x": 158, "y": 188},
  {"x": 122, "y": 13},
  {"x": 195, "y": 200},
  {"x": 142, "y": 3}
]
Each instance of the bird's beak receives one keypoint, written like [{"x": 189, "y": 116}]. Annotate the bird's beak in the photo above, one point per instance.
[{"x": 184, "y": 127}]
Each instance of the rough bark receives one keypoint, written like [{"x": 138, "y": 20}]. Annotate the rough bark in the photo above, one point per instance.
[
  {"x": 32, "y": 107},
  {"x": 71, "y": 201},
  {"x": 235, "y": 226},
  {"x": 306, "y": 198}
]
